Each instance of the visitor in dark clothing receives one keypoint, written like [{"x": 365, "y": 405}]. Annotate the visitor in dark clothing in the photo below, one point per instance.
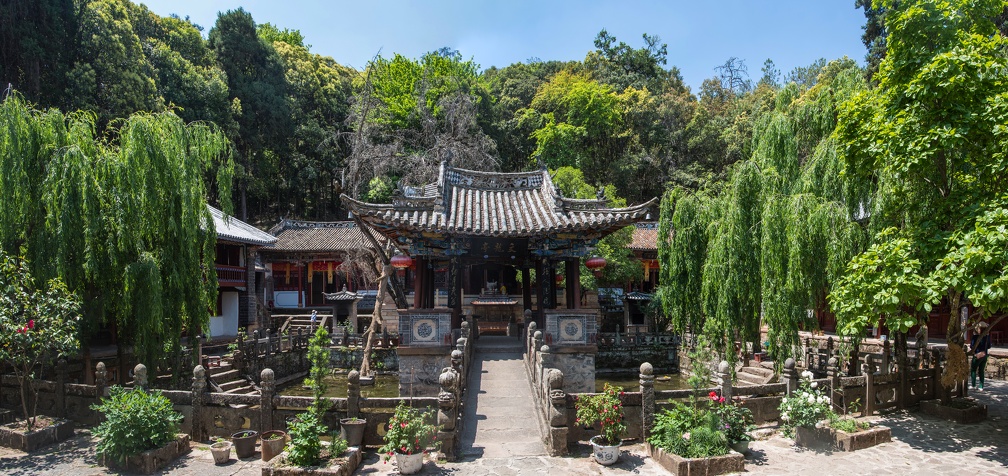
[{"x": 980, "y": 346}]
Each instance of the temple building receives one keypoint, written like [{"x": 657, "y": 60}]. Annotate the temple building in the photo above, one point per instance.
[{"x": 475, "y": 238}]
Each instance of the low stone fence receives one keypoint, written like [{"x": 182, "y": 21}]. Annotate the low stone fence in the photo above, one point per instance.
[
  {"x": 624, "y": 351},
  {"x": 207, "y": 414}
]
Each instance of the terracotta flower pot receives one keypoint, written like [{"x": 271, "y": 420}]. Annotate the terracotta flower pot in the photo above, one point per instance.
[
  {"x": 244, "y": 443},
  {"x": 221, "y": 451},
  {"x": 352, "y": 430},
  {"x": 273, "y": 443}
]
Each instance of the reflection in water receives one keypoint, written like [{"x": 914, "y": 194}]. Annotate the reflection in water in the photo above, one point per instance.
[
  {"x": 386, "y": 386},
  {"x": 631, "y": 383}
]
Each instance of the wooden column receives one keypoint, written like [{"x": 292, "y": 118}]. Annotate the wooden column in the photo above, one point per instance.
[
  {"x": 551, "y": 284},
  {"x": 540, "y": 295},
  {"x": 418, "y": 279},
  {"x": 300, "y": 281},
  {"x": 573, "y": 283},
  {"x": 455, "y": 292},
  {"x": 526, "y": 290}
]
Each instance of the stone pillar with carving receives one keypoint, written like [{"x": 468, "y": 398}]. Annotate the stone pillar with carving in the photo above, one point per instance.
[
  {"x": 459, "y": 364},
  {"x": 197, "y": 429},
  {"x": 140, "y": 377},
  {"x": 529, "y": 339},
  {"x": 101, "y": 380},
  {"x": 789, "y": 376},
  {"x": 353, "y": 394},
  {"x": 557, "y": 413},
  {"x": 836, "y": 390},
  {"x": 647, "y": 398},
  {"x": 545, "y": 361},
  {"x": 448, "y": 399},
  {"x": 61, "y": 378},
  {"x": 724, "y": 373},
  {"x": 268, "y": 387}
]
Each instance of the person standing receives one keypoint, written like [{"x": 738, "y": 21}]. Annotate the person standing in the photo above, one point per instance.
[{"x": 980, "y": 346}]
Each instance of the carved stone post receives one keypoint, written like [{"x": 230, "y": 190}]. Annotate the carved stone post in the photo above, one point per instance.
[
  {"x": 724, "y": 373},
  {"x": 869, "y": 404},
  {"x": 537, "y": 343},
  {"x": 268, "y": 386},
  {"x": 836, "y": 391},
  {"x": 140, "y": 376},
  {"x": 545, "y": 360},
  {"x": 829, "y": 349},
  {"x": 197, "y": 400},
  {"x": 885, "y": 357},
  {"x": 448, "y": 412},
  {"x": 459, "y": 364},
  {"x": 789, "y": 376},
  {"x": 101, "y": 379},
  {"x": 647, "y": 398},
  {"x": 353, "y": 394},
  {"x": 529, "y": 339},
  {"x": 198, "y": 350},
  {"x": 61, "y": 377},
  {"x": 462, "y": 345},
  {"x": 557, "y": 413}
]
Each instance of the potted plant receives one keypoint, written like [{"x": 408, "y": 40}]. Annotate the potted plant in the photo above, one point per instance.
[
  {"x": 273, "y": 443},
  {"x": 352, "y": 430},
  {"x": 221, "y": 450},
  {"x": 803, "y": 412},
  {"x": 244, "y": 443},
  {"x": 139, "y": 430},
  {"x": 408, "y": 437},
  {"x": 606, "y": 409},
  {"x": 736, "y": 420}
]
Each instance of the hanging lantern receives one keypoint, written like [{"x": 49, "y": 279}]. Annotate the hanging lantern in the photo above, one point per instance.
[
  {"x": 595, "y": 264},
  {"x": 559, "y": 278},
  {"x": 401, "y": 261}
]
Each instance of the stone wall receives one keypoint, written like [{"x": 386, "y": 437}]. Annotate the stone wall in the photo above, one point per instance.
[
  {"x": 350, "y": 358},
  {"x": 419, "y": 369},
  {"x": 578, "y": 367}
]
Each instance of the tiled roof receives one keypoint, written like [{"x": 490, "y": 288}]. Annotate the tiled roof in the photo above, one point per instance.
[
  {"x": 233, "y": 229},
  {"x": 292, "y": 235},
  {"x": 343, "y": 295},
  {"x": 493, "y": 204},
  {"x": 645, "y": 237}
]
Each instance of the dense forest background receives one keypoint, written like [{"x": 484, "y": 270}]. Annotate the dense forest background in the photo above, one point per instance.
[{"x": 304, "y": 128}]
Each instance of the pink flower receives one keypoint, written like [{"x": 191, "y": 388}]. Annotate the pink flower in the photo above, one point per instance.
[
  {"x": 31, "y": 324},
  {"x": 713, "y": 395},
  {"x": 402, "y": 425},
  {"x": 721, "y": 400}
]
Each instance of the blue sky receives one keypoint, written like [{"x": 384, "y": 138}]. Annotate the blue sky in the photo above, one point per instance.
[{"x": 700, "y": 34}]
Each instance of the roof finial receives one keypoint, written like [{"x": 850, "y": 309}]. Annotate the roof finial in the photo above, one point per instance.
[{"x": 600, "y": 193}]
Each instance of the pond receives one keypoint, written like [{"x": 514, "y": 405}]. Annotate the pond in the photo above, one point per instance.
[
  {"x": 631, "y": 383},
  {"x": 386, "y": 386}
]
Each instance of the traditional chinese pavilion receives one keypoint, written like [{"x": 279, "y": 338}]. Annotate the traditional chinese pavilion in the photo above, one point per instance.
[{"x": 477, "y": 231}]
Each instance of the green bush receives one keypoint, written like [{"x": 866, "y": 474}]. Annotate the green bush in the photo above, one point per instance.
[
  {"x": 690, "y": 431},
  {"x": 306, "y": 446},
  {"x": 407, "y": 431},
  {"x": 134, "y": 421}
]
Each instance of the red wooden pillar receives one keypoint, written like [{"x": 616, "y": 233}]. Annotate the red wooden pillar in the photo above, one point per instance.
[
  {"x": 300, "y": 278},
  {"x": 418, "y": 280},
  {"x": 574, "y": 283}
]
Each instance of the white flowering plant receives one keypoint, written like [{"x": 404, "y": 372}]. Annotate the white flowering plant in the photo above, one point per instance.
[{"x": 805, "y": 407}]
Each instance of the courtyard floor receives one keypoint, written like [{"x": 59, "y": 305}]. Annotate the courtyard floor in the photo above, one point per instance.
[{"x": 921, "y": 445}]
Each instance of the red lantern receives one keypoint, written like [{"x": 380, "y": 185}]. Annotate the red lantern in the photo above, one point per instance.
[
  {"x": 559, "y": 278},
  {"x": 596, "y": 263},
  {"x": 401, "y": 261}
]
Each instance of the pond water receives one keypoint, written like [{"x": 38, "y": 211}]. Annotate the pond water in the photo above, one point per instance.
[
  {"x": 631, "y": 383},
  {"x": 386, "y": 386}
]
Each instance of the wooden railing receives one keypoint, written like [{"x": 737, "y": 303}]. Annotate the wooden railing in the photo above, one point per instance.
[{"x": 230, "y": 275}]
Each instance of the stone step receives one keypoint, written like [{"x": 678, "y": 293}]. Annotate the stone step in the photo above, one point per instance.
[
  {"x": 760, "y": 371},
  {"x": 243, "y": 390},
  {"x": 225, "y": 375},
  {"x": 748, "y": 379},
  {"x": 233, "y": 385}
]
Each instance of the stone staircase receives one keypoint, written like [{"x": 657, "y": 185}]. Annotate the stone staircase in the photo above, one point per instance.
[
  {"x": 755, "y": 374},
  {"x": 303, "y": 321},
  {"x": 227, "y": 379}
]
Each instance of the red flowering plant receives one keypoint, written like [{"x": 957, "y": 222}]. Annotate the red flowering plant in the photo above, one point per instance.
[
  {"x": 37, "y": 326},
  {"x": 408, "y": 433},
  {"x": 605, "y": 408},
  {"x": 735, "y": 420}
]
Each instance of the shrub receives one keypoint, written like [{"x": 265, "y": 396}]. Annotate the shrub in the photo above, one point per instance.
[
  {"x": 735, "y": 420},
  {"x": 306, "y": 445},
  {"x": 689, "y": 431},
  {"x": 605, "y": 408},
  {"x": 134, "y": 421},
  {"x": 407, "y": 433},
  {"x": 805, "y": 407}
]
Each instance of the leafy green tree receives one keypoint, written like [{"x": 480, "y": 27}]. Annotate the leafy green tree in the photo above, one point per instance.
[
  {"x": 124, "y": 223},
  {"x": 977, "y": 264},
  {"x": 37, "y": 44},
  {"x": 37, "y": 326},
  {"x": 256, "y": 81},
  {"x": 623, "y": 66},
  {"x": 930, "y": 138},
  {"x": 110, "y": 73}
]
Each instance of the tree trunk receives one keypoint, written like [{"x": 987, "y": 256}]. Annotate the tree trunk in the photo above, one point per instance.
[
  {"x": 953, "y": 336},
  {"x": 376, "y": 320}
]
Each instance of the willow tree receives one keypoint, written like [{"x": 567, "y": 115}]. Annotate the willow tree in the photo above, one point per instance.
[
  {"x": 682, "y": 250},
  {"x": 124, "y": 222},
  {"x": 931, "y": 137}
]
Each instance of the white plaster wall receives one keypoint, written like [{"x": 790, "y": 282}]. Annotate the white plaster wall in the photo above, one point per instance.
[
  {"x": 286, "y": 299},
  {"x": 226, "y": 324}
]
